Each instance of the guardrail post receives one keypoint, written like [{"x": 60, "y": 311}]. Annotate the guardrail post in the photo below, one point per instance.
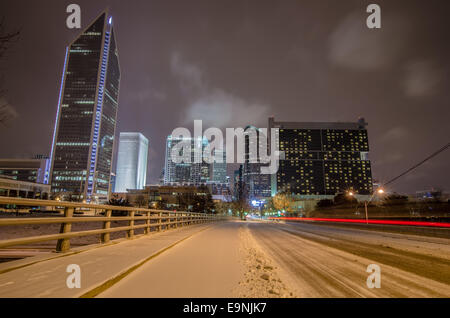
[
  {"x": 147, "y": 222},
  {"x": 130, "y": 232},
  {"x": 63, "y": 245},
  {"x": 106, "y": 225},
  {"x": 176, "y": 219},
  {"x": 159, "y": 222}
]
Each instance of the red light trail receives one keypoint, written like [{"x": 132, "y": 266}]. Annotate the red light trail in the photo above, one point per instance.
[{"x": 384, "y": 222}]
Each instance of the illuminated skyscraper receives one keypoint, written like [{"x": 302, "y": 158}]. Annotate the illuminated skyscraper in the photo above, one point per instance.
[
  {"x": 83, "y": 140},
  {"x": 195, "y": 172},
  {"x": 218, "y": 170},
  {"x": 322, "y": 159},
  {"x": 131, "y": 172},
  {"x": 256, "y": 184}
]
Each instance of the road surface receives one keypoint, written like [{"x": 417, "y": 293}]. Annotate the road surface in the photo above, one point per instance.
[
  {"x": 331, "y": 261},
  {"x": 265, "y": 259},
  {"x": 243, "y": 259},
  {"x": 205, "y": 265}
]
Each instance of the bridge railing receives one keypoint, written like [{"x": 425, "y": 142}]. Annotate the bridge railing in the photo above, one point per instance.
[{"x": 155, "y": 221}]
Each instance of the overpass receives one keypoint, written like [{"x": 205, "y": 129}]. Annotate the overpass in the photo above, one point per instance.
[{"x": 150, "y": 253}]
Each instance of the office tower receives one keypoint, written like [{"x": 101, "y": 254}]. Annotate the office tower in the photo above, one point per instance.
[
  {"x": 83, "y": 140},
  {"x": 322, "y": 158},
  {"x": 218, "y": 170},
  {"x": 161, "y": 177},
  {"x": 112, "y": 182},
  {"x": 131, "y": 171},
  {"x": 195, "y": 172},
  {"x": 256, "y": 184},
  {"x": 29, "y": 170},
  {"x": 238, "y": 190}
]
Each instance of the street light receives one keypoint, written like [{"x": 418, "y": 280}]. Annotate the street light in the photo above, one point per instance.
[{"x": 366, "y": 203}]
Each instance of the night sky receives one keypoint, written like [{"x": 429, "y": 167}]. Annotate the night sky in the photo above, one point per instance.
[{"x": 232, "y": 63}]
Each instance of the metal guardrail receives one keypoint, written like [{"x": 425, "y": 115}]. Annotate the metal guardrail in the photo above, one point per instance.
[{"x": 158, "y": 220}]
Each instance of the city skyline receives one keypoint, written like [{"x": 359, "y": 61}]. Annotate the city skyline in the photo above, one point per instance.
[
  {"x": 225, "y": 157},
  {"x": 408, "y": 121}
]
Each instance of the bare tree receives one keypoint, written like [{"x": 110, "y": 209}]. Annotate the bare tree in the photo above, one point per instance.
[
  {"x": 7, "y": 112},
  {"x": 141, "y": 201},
  {"x": 6, "y": 38}
]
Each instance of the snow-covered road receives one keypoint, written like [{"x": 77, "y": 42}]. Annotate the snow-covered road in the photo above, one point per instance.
[
  {"x": 331, "y": 261},
  {"x": 261, "y": 259}
]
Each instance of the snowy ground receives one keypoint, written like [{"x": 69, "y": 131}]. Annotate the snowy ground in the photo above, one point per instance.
[
  {"x": 252, "y": 260},
  {"x": 329, "y": 261},
  {"x": 266, "y": 260},
  {"x": 262, "y": 278},
  {"x": 223, "y": 261}
]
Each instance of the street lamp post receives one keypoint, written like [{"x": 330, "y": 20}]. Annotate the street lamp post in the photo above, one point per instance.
[{"x": 366, "y": 203}]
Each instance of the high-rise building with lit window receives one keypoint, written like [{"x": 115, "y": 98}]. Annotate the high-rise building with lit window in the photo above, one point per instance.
[
  {"x": 195, "y": 172},
  {"x": 322, "y": 159},
  {"x": 255, "y": 183},
  {"x": 131, "y": 170},
  {"x": 83, "y": 140},
  {"x": 218, "y": 170},
  {"x": 30, "y": 170}
]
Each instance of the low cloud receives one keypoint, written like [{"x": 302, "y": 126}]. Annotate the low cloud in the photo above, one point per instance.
[
  {"x": 422, "y": 79},
  {"x": 215, "y": 106},
  {"x": 353, "y": 45},
  {"x": 390, "y": 157},
  {"x": 190, "y": 76},
  {"x": 395, "y": 134},
  {"x": 221, "y": 109}
]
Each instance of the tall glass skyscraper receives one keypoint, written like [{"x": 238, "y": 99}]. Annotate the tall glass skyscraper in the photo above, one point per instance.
[
  {"x": 195, "y": 172},
  {"x": 218, "y": 171},
  {"x": 83, "y": 140},
  {"x": 131, "y": 171},
  {"x": 257, "y": 185}
]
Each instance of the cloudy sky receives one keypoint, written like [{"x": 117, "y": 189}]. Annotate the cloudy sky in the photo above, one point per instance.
[{"x": 233, "y": 63}]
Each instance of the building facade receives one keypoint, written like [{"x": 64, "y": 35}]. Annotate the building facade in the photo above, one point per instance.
[
  {"x": 192, "y": 172},
  {"x": 218, "y": 170},
  {"x": 322, "y": 159},
  {"x": 168, "y": 197},
  {"x": 131, "y": 170},
  {"x": 256, "y": 184},
  {"x": 28, "y": 170},
  {"x": 83, "y": 140},
  {"x": 24, "y": 189}
]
